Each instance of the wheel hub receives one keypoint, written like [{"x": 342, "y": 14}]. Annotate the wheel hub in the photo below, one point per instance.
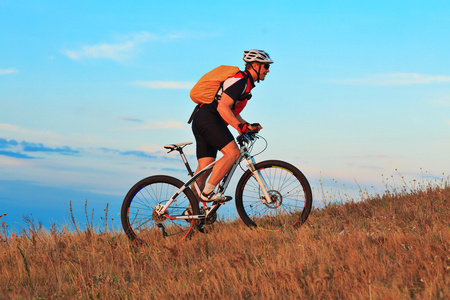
[
  {"x": 157, "y": 216},
  {"x": 275, "y": 199}
]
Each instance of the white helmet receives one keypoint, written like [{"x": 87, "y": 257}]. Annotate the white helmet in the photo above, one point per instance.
[{"x": 256, "y": 55}]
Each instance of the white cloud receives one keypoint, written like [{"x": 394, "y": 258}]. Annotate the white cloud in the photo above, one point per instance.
[
  {"x": 126, "y": 46},
  {"x": 162, "y": 125},
  {"x": 8, "y": 71},
  {"x": 119, "y": 51},
  {"x": 10, "y": 128},
  {"x": 10, "y": 131},
  {"x": 168, "y": 85},
  {"x": 395, "y": 79}
]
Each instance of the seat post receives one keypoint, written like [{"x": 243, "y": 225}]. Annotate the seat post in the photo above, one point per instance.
[{"x": 186, "y": 163}]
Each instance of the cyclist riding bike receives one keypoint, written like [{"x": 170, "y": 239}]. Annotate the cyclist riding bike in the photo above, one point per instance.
[{"x": 210, "y": 123}]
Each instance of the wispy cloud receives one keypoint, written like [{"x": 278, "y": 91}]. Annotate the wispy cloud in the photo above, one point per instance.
[
  {"x": 15, "y": 154},
  {"x": 30, "y": 132},
  {"x": 10, "y": 127},
  {"x": 5, "y": 144},
  {"x": 129, "y": 119},
  {"x": 16, "y": 149},
  {"x": 161, "y": 125},
  {"x": 137, "y": 153},
  {"x": 167, "y": 85},
  {"x": 121, "y": 50},
  {"x": 124, "y": 47},
  {"x": 48, "y": 137},
  {"x": 38, "y": 147},
  {"x": 7, "y": 71},
  {"x": 395, "y": 79},
  {"x": 21, "y": 150}
]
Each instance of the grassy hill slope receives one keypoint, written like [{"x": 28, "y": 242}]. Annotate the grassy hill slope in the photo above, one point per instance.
[{"x": 392, "y": 246}]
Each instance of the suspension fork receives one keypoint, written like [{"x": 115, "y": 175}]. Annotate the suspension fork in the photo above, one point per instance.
[{"x": 260, "y": 179}]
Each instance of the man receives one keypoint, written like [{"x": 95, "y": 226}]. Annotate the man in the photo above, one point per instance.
[{"x": 211, "y": 120}]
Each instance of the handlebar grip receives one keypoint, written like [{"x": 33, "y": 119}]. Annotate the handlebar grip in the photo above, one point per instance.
[{"x": 253, "y": 132}]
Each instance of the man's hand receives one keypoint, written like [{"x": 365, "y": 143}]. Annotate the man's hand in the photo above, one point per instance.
[
  {"x": 246, "y": 127},
  {"x": 256, "y": 126}
]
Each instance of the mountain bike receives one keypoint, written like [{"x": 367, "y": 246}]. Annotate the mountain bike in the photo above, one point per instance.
[{"x": 272, "y": 195}]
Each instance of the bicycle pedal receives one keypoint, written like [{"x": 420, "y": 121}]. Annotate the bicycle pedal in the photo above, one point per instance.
[{"x": 227, "y": 199}]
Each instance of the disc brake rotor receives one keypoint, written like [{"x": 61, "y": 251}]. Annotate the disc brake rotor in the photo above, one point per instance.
[{"x": 275, "y": 199}]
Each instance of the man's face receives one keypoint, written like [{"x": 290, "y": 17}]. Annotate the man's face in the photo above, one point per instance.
[{"x": 263, "y": 71}]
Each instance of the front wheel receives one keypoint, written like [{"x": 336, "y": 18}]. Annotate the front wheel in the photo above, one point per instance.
[
  {"x": 289, "y": 192},
  {"x": 141, "y": 219}
]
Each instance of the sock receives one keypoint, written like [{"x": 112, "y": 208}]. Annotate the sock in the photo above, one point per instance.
[{"x": 208, "y": 188}]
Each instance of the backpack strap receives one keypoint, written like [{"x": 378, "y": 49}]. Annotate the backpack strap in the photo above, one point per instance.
[
  {"x": 218, "y": 97},
  {"x": 244, "y": 95},
  {"x": 194, "y": 112}
]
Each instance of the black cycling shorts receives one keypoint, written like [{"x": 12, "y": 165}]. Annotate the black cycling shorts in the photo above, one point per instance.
[{"x": 210, "y": 131}]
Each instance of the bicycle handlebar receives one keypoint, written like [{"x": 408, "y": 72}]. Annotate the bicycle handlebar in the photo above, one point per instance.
[{"x": 246, "y": 138}]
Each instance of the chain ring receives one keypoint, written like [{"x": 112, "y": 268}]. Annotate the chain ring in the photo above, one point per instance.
[{"x": 211, "y": 218}]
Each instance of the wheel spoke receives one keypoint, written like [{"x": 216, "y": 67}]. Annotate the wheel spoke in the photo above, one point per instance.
[
  {"x": 289, "y": 192},
  {"x": 138, "y": 210}
]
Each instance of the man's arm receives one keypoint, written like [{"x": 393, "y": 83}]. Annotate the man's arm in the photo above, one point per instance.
[
  {"x": 240, "y": 119},
  {"x": 224, "y": 109}
]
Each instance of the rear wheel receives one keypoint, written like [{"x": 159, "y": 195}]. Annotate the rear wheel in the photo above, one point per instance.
[
  {"x": 140, "y": 211},
  {"x": 290, "y": 197}
]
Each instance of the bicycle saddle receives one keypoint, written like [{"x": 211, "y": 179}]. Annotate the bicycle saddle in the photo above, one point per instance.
[{"x": 175, "y": 146}]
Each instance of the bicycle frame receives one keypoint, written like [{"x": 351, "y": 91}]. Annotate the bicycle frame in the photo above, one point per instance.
[{"x": 244, "y": 154}]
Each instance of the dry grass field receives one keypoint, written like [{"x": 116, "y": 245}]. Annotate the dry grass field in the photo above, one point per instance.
[{"x": 391, "y": 246}]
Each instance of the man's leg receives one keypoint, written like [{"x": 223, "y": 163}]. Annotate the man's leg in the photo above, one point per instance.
[
  {"x": 223, "y": 165},
  {"x": 202, "y": 163}
]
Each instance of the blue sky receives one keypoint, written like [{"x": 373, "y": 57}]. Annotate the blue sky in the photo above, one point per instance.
[{"x": 90, "y": 91}]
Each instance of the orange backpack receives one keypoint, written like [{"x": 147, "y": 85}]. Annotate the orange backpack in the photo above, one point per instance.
[{"x": 206, "y": 88}]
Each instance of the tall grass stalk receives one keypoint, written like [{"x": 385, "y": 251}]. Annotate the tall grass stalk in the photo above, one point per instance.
[
  {"x": 25, "y": 261},
  {"x": 4, "y": 229}
]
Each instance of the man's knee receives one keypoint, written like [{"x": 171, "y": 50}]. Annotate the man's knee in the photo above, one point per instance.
[{"x": 232, "y": 153}]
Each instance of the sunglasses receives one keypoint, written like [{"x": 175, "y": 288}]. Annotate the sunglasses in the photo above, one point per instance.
[{"x": 266, "y": 66}]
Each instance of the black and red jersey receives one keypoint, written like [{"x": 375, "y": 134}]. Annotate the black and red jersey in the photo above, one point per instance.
[{"x": 238, "y": 88}]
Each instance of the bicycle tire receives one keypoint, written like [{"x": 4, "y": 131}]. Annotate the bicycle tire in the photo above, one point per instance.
[
  {"x": 138, "y": 211},
  {"x": 288, "y": 189}
]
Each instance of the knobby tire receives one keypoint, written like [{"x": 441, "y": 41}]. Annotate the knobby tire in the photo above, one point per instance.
[
  {"x": 289, "y": 191},
  {"x": 138, "y": 208}
]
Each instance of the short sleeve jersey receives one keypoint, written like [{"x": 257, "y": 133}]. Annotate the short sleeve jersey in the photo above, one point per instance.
[{"x": 236, "y": 86}]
